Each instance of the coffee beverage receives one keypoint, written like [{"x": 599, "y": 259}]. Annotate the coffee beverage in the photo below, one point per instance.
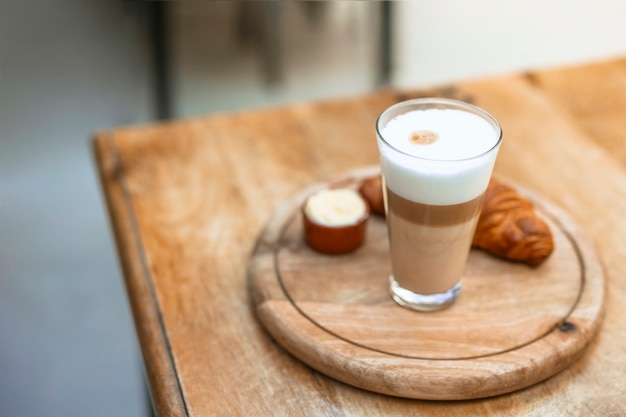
[
  {"x": 437, "y": 156},
  {"x": 429, "y": 243}
]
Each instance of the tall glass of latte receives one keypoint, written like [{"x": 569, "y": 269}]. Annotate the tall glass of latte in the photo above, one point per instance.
[{"x": 436, "y": 159}]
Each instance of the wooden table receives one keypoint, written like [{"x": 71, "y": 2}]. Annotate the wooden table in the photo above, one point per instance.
[{"x": 188, "y": 198}]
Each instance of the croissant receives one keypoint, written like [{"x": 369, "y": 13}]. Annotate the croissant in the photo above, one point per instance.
[
  {"x": 509, "y": 228},
  {"x": 371, "y": 190}
]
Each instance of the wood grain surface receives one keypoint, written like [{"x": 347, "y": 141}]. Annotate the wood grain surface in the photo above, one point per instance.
[
  {"x": 187, "y": 200},
  {"x": 512, "y": 326}
]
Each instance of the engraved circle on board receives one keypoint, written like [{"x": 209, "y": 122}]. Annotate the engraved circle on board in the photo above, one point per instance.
[{"x": 325, "y": 289}]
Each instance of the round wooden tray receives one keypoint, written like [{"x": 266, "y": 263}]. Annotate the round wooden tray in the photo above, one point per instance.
[{"x": 511, "y": 327}]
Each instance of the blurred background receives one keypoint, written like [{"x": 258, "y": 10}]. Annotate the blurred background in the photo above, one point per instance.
[{"x": 69, "y": 68}]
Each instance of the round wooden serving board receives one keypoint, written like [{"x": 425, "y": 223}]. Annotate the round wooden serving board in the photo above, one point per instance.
[{"x": 511, "y": 327}]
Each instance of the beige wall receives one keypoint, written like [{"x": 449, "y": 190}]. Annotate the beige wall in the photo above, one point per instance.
[{"x": 437, "y": 41}]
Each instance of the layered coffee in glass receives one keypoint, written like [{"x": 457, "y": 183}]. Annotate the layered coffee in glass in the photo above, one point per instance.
[{"x": 436, "y": 157}]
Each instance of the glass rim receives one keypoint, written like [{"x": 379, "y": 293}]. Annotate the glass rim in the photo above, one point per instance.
[{"x": 451, "y": 104}]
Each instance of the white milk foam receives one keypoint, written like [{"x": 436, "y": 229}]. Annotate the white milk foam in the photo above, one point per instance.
[{"x": 447, "y": 171}]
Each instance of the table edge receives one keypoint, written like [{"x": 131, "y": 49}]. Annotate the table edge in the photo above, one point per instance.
[{"x": 166, "y": 391}]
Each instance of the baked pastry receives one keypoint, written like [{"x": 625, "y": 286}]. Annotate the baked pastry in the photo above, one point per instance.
[
  {"x": 335, "y": 221},
  {"x": 508, "y": 227},
  {"x": 371, "y": 190}
]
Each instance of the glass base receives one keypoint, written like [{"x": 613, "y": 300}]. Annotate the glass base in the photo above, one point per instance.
[{"x": 422, "y": 302}]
